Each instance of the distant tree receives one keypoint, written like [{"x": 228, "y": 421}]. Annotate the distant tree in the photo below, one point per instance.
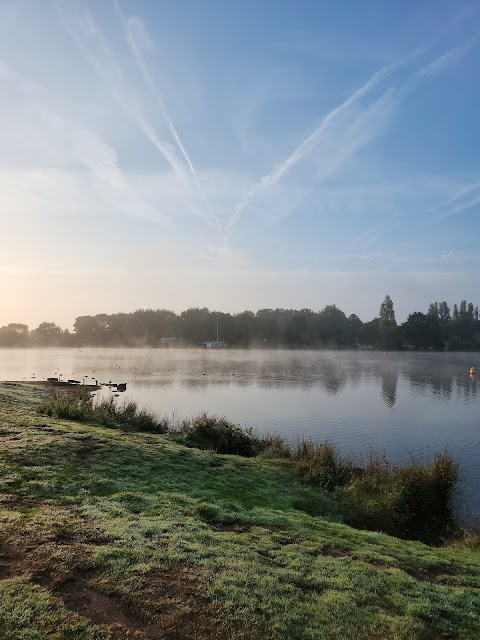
[
  {"x": 269, "y": 326},
  {"x": 390, "y": 334},
  {"x": 422, "y": 331},
  {"x": 369, "y": 333},
  {"x": 47, "y": 334},
  {"x": 433, "y": 310},
  {"x": 93, "y": 330},
  {"x": 226, "y": 327},
  {"x": 243, "y": 328},
  {"x": 444, "y": 312},
  {"x": 195, "y": 324},
  {"x": 354, "y": 328},
  {"x": 455, "y": 312},
  {"x": 387, "y": 314},
  {"x": 14, "y": 334},
  {"x": 333, "y": 326}
]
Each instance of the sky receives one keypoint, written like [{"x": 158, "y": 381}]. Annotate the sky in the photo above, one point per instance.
[{"x": 237, "y": 156}]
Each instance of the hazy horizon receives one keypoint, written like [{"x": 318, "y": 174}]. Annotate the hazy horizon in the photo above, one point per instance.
[{"x": 237, "y": 156}]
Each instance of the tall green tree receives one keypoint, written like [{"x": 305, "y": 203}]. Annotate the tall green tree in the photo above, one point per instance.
[
  {"x": 390, "y": 334},
  {"x": 387, "y": 314},
  {"x": 444, "y": 312},
  {"x": 433, "y": 310}
]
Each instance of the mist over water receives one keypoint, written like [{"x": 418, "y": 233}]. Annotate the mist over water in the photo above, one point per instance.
[{"x": 404, "y": 404}]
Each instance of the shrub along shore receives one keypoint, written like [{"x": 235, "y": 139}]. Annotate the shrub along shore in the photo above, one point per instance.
[{"x": 115, "y": 524}]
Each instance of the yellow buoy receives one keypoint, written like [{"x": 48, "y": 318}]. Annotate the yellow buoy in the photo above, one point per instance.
[{"x": 472, "y": 371}]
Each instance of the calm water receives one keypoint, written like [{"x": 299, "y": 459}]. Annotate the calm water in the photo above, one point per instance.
[{"x": 402, "y": 404}]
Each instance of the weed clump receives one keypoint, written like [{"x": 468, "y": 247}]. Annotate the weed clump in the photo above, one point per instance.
[
  {"x": 320, "y": 464},
  {"x": 78, "y": 404},
  {"x": 217, "y": 434},
  {"x": 414, "y": 501}
]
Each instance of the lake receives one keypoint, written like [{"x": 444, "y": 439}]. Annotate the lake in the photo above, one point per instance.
[{"x": 404, "y": 404}]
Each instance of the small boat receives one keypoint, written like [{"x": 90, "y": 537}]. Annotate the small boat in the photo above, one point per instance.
[{"x": 122, "y": 386}]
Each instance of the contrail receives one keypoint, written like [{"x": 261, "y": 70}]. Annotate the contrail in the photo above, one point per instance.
[
  {"x": 307, "y": 146},
  {"x": 91, "y": 33},
  {"x": 459, "y": 203},
  {"x": 156, "y": 94},
  {"x": 372, "y": 230},
  {"x": 309, "y": 143}
]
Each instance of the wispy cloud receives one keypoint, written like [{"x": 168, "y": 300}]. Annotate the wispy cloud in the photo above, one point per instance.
[
  {"x": 78, "y": 148},
  {"x": 88, "y": 38},
  {"x": 373, "y": 231},
  {"x": 131, "y": 27},
  {"x": 465, "y": 199},
  {"x": 351, "y": 125},
  {"x": 308, "y": 145},
  {"x": 442, "y": 260}
]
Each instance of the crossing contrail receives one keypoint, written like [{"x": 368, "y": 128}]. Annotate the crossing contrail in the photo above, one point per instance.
[{"x": 132, "y": 43}]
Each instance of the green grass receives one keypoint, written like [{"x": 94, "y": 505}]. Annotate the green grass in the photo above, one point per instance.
[
  {"x": 413, "y": 501},
  {"x": 106, "y": 531}
]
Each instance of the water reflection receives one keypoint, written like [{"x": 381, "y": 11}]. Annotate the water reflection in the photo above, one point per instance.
[
  {"x": 442, "y": 377},
  {"x": 389, "y": 387},
  {"x": 329, "y": 374}
]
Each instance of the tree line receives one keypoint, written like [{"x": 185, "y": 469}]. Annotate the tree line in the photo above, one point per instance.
[{"x": 439, "y": 329}]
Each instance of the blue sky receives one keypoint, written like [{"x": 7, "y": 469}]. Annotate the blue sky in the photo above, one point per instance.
[{"x": 237, "y": 155}]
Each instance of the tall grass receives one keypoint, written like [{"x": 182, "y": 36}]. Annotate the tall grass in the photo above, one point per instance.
[
  {"x": 209, "y": 432},
  {"x": 320, "y": 464},
  {"x": 413, "y": 501},
  {"x": 78, "y": 404}
]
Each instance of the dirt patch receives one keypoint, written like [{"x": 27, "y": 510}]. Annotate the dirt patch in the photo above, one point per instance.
[
  {"x": 232, "y": 527},
  {"x": 335, "y": 552},
  {"x": 88, "y": 446},
  {"x": 174, "y": 598},
  {"x": 166, "y": 605},
  {"x": 48, "y": 429},
  {"x": 243, "y": 527},
  {"x": 432, "y": 574},
  {"x": 272, "y": 527},
  {"x": 9, "y": 562},
  {"x": 7, "y": 570},
  {"x": 214, "y": 463},
  {"x": 102, "y": 609},
  {"x": 16, "y": 501}
]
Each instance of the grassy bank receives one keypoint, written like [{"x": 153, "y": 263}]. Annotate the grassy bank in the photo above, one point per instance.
[
  {"x": 113, "y": 533},
  {"x": 414, "y": 501}
]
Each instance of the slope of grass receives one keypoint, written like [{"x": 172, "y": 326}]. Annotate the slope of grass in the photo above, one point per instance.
[{"x": 107, "y": 534}]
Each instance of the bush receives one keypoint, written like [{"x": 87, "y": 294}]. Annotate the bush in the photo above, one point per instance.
[
  {"x": 217, "y": 434},
  {"x": 320, "y": 464},
  {"x": 274, "y": 447},
  {"x": 78, "y": 404},
  {"x": 413, "y": 501}
]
